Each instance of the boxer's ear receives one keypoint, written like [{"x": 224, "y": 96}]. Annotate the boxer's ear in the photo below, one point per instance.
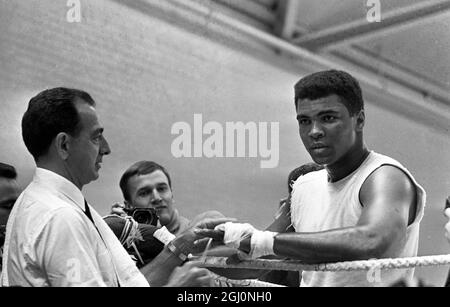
[{"x": 360, "y": 120}]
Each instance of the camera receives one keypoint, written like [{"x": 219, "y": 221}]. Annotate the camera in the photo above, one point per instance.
[{"x": 145, "y": 216}]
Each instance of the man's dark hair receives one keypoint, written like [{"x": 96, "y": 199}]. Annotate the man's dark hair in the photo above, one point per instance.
[
  {"x": 7, "y": 171},
  {"x": 138, "y": 169},
  {"x": 300, "y": 171},
  {"x": 49, "y": 113},
  {"x": 326, "y": 83}
]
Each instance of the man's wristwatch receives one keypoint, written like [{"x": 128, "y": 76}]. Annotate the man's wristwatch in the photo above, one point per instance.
[{"x": 177, "y": 252}]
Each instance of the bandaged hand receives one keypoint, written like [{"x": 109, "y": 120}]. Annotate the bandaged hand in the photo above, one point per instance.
[
  {"x": 235, "y": 233},
  {"x": 261, "y": 242}
]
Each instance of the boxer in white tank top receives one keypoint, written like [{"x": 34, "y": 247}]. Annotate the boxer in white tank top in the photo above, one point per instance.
[
  {"x": 319, "y": 205},
  {"x": 362, "y": 206}
]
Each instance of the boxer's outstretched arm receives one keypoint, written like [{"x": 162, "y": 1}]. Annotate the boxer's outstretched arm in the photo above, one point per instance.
[{"x": 282, "y": 223}]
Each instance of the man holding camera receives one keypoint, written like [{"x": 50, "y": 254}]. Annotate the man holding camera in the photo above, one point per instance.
[
  {"x": 148, "y": 207},
  {"x": 148, "y": 198},
  {"x": 147, "y": 186}
]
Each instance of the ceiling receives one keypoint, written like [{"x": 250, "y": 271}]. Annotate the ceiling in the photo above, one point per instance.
[
  {"x": 405, "y": 56},
  {"x": 410, "y": 46}
]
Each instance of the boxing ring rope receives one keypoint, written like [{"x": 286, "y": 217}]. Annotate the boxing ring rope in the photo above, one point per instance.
[
  {"x": 366, "y": 265},
  {"x": 283, "y": 265}
]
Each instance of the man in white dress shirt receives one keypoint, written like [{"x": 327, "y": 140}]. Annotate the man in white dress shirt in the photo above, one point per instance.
[{"x": 53, "y": 237}]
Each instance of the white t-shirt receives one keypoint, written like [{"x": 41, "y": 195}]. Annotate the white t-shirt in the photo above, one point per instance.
[
  {"x": 318, "y": 205},
  {"x": 51, "y": 242}
]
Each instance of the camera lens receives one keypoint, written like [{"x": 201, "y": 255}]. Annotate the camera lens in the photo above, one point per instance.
[{"x": 145, "y": 216}]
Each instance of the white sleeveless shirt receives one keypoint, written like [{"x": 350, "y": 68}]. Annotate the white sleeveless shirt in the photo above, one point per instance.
[{"x": 318, "y": 205}]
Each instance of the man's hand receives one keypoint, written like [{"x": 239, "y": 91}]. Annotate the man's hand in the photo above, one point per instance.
[
  {"x": 190, "y": 240},
  {"x": 231, "y": 234},
  {"x": 190, "y": 275},
  {"x": 447, "y": 227},
  {"x": 118, "y": 209},
  {"x": 163, "y": 269}
]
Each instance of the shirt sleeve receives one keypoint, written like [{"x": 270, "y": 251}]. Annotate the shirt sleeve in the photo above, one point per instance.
[{"x": 67, "y": 251}]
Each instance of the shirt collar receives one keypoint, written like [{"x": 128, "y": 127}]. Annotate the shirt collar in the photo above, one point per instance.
[{"x": 59, "y": 184}]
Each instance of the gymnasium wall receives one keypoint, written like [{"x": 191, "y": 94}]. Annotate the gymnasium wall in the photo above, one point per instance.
[{"x": 147, "y": 74}]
